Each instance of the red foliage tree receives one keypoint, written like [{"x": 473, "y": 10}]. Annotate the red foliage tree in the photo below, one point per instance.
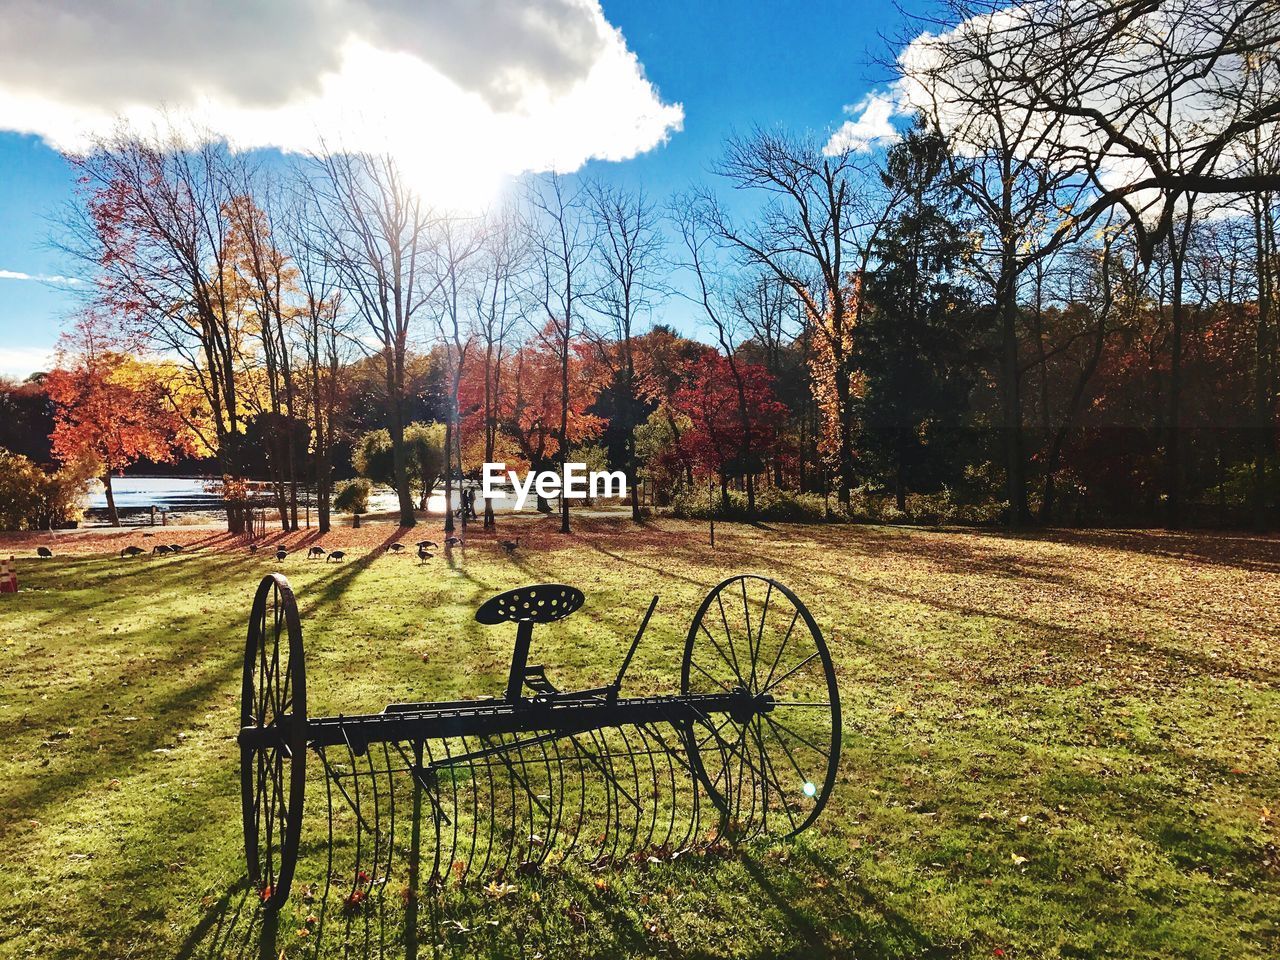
[
  {"x": 527, "y": 408},
  {"x": 109, "y": 409},
  {"x": 720, "y": 439}
]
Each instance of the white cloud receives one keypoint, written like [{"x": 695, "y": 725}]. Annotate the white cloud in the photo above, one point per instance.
[
  {"x": 20, "y": 362},
  {"x": 462, "y": 92},
  {"x": 40, "y": 277},
  {"x": 871, "y": 125}
]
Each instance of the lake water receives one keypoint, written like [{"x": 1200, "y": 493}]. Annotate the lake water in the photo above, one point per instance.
[{"x": 188, "y": 495}]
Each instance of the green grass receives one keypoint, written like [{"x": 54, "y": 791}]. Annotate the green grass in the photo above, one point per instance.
[{"x": 1055, "y": 746}]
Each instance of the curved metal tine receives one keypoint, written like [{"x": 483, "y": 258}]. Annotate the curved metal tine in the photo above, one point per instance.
[
  {"x": 420, "y": 783},
  {"x": 355, "y": 790},
  {"x": 554, "y": 801},
  {"x": 688, "y": 777},
  {"x": 590, "y": 756},
  {"x": 336, "y": 778},
  {"x": 558, "y": 789},
  {"x": 514, "y": 807},
  {"x": 492, "y": 813},
  {"x": 384, "y": 880},
  {"x": 615, "y": 834},
  {"x": 641, "y": 803},
  {"x": 473, "y": 786},
  {"x": 645, "y": 845},
  {"x": 391, "y": 815},
  {"x": 613, "y": 828},
  {"x": 777, "y": 785},
  {"x": 520, "y": 775},
  {"x": 452, "y": 857},
  {"x": 673, "y": 796},
  {"x": 377, "y": 823},
  {"x": 582, "y": 799}
]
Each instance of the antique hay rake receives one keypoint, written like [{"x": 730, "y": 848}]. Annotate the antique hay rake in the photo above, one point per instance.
[{"x": 510, "y": 784}]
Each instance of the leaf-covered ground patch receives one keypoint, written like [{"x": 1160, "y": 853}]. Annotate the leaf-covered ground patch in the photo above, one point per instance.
[{"x": 1064, "y": 744}]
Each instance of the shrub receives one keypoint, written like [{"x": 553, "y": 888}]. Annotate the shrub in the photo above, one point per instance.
[
  {"x": 35, "y": 499},
  {"x": 424, "y": 448},
  {"x": 781, "y": 506},
  {"x": 352, "y": 496}
]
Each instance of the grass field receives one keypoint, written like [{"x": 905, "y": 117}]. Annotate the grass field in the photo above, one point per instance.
[{"x": 1059, "y": 745}]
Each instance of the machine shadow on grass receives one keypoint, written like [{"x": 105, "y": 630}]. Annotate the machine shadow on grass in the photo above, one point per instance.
[{"x": 568, "y": 915}]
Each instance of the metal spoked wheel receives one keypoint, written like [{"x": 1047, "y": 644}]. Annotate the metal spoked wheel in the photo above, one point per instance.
[
  {"x": 770, "y": 767},
  {"x": 272, "y": 777}
]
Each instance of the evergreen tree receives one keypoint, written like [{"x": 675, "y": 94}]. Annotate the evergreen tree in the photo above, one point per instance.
[{"x": 915, "y": 340}]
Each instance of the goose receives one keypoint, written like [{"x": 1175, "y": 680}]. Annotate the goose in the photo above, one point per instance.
[
  {"x": 453, "y": 541},
  {"x": 509, "y": 545},
  {"x": 316, "y": 551},
  {"x": 336, "y": 555},
  {"x": 133, "y": 550},
  {"x": 44, "y": 553},
  {"x": 281, "y": 553},
  {"x": 253, "y": 548},
  {"x": 422, "y": 544},
  {"x": 396, "y": 547},
  {"x": 423, "y": 555}
]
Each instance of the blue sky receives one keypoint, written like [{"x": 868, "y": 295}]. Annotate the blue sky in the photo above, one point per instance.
[{"x": 730, "y": 65}]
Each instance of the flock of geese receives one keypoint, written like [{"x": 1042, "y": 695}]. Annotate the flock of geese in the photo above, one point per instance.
[
  {"x": 316, "y": 552},
  {"x": 424, "y": 548}
]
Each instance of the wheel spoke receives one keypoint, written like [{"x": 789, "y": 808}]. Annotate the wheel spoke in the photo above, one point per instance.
[
  {"x": 779, "y": 725},
  {"x": 732, "y": 664},
  {"x": 721, "y": 683},
  {"x": 781, "y": 649},
  {"x": 794, "y": 670},
  {"x": 755, "y": 654},
  {"x": 794, "y": 765},
  {"x": 728, "y": 634},
  {"x": 786, "y": 806}
]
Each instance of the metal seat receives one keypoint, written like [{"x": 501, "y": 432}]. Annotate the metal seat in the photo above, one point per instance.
[{"x": 541, "y": 603}]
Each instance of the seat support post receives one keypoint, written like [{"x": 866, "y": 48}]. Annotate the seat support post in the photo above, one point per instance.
[{"x": 519, "y": 660}]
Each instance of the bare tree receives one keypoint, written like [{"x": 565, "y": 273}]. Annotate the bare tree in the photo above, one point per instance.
[
  {"x": 1020, "y": 178},
  {"x": 267, "y": 285},
  {"x": 1115, "y": 76},
  {"x": 498, "y": 308},
  {"x": 693, "y": 225},
  {"x": 628, "y": 252},
  {"x": 560, "y": 247},
  {"x": 456, "y": 244},
  {"x": 324, "y": 335},
  {"x": 154, "y": 231},
  {"x": 376, "y": 231},
  {"x": 815, "y": 234}
]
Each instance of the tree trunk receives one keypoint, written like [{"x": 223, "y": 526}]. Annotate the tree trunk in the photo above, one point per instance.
[
  {"x": 448, "y": 473},
  {"x": 1262, "y": 399},
  {"x": 564, "y": 425},
  {"x": 1011, "y": 394},
  {"x": 1173, "y": 447},
  {"x": 112, "y": 515}
]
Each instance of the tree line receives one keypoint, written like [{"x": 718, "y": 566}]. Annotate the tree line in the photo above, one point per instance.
[{"x": 1053, "y": 297}]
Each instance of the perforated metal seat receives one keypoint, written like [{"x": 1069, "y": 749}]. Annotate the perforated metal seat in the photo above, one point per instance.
[{"x": 542, "y": 603}]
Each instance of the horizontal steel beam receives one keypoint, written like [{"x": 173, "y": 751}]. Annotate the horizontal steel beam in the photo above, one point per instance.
[{"x": 555, "y": 713}]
